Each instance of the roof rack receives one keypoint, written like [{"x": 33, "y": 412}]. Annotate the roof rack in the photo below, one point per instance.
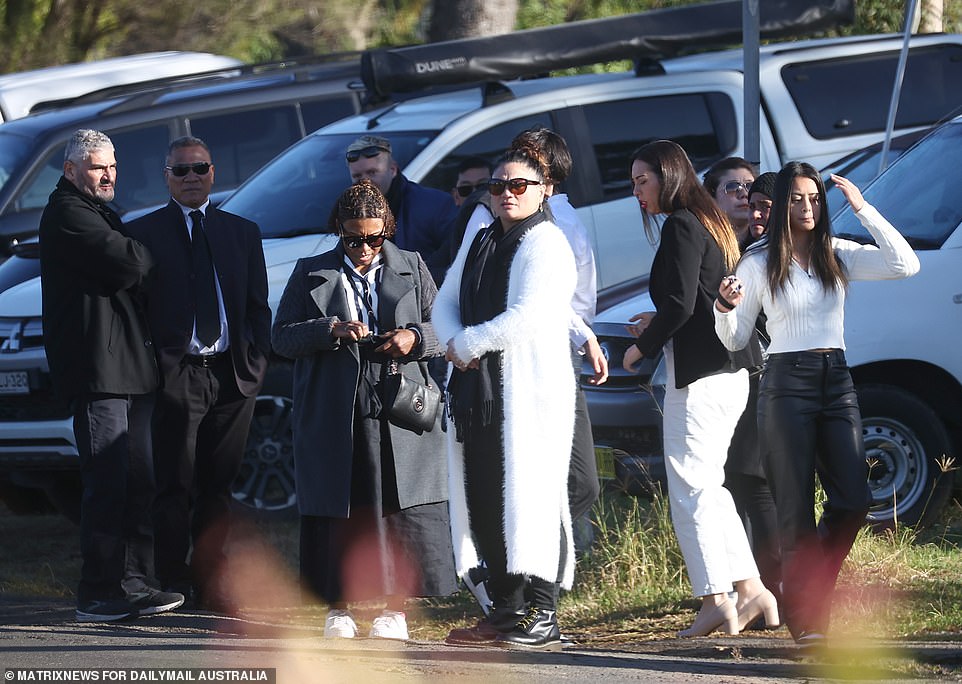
[
  {"x": 316, "y": 67},
  {"x": 656, "y": 34}
]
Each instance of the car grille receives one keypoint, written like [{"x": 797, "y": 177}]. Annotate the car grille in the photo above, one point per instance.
[{"x": 20, "y": 334}]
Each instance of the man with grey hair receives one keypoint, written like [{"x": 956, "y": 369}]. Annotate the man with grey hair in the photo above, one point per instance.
[{"x": 102, "y": 361}]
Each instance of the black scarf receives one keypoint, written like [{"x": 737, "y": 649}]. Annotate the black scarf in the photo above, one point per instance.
[{"x": 475, "y": 396}]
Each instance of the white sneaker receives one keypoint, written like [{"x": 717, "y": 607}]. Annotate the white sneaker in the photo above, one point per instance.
[
  {"x": 390, "y": 624},
  {"x": 340, "y": 623}
]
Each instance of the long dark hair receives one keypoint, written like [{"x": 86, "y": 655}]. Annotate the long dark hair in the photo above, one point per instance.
[
  {"x": 826, "y": 266},
  {"x": 680, "y": 189}
]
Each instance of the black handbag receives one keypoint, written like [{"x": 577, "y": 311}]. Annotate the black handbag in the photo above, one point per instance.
[{"x": 410, "y": 404}]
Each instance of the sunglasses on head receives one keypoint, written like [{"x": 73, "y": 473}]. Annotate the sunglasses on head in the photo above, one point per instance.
[
  {"x": 731, "y": 187},
  {"x": 355, "y": 241},
  {"x": 366, "y": 152},
  {"x": 466, "y": 189},
  {"x": 517, "y": 186},
  {"x": 181, "y": 170}
]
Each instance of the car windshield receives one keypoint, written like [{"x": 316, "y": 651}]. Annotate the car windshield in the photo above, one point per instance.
[
  {"x": 13, "y": 151},
  {"x": 295, "y": 193},
  {"x": 918, "y": 193}
]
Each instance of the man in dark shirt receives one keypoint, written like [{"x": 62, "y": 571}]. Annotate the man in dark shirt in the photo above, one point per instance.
[
  {"x": 423, "y": 215},
  {"x": 101, "y": 357}
]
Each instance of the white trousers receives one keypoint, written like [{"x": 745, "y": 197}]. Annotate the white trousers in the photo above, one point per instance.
[{"x": 698, "y": 426}]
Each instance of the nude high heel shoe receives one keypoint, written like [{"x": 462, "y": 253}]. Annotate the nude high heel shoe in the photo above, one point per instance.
[
  {"x": 712, "y": 617},
  {"x": 762, "y": 603}
]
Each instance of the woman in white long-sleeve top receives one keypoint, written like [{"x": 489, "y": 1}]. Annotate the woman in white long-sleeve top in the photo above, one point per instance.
[{"x": 808, "y": 415}]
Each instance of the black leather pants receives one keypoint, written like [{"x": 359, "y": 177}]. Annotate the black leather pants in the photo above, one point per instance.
[{"x": 809, "y": 423}]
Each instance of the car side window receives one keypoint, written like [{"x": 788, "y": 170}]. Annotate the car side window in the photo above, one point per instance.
[
  {"x": 140, "y": 166},
  {"x": 702, "y": 123},
  {"x": 488, "y": 144},
  {"x": 861, "y": 88},
  {"x": 242, "y": 142},
  {"x": 317, "y": 113}
]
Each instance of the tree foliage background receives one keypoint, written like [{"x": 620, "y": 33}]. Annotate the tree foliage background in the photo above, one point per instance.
[{"x": 37, "y": 33}]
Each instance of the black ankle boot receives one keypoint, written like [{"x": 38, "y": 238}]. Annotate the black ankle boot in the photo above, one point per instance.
[{"x": 538, "y": 629}]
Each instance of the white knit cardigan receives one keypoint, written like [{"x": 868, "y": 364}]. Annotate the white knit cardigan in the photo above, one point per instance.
[{"x": 539, "y": 401}]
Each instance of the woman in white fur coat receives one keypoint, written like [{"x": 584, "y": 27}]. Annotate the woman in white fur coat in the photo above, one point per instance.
[{"x": 504, "y": 310}]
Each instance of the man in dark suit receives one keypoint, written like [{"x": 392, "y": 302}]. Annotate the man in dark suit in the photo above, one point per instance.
[
  {"x": 207, "y": 311},
  {"x": 101, "y": 358}
]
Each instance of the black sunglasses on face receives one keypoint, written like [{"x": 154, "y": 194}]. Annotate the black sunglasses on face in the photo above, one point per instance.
[
  {"x": 355, "y": 241},
  {"x": 466, "y": 189},
  {"x": 517, "y": 186},
  {"x": 181, "y": 170},
  {"x": 366, "y": 152}
]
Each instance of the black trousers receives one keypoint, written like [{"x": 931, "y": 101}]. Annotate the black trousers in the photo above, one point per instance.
[
  {"x": 484, "y": 489},
  {"x": 583, "y": 485},
  {"x": 809, "y": 422},
  {"x": 745, "y": 479},
  {"x": 116, "y": 468},
  {"x": 200, "y": 431}
]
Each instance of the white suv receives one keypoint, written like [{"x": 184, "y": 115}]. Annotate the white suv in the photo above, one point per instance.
[
  {"x": 697, "y": 101},
  {"x": 902, "y": 343}
]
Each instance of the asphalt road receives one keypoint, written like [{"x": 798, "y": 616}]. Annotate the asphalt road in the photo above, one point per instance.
[{"x": 42, "y": 634}]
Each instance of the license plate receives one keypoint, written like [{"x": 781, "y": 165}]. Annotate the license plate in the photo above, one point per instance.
[
  {"x": 14, "y": 382},
  {"x": 605, "y": 458}
]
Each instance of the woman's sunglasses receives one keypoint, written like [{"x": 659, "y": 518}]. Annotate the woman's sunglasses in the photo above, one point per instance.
[
  {"x": 355, "y": 241},
  {"x": 517, "y": 186},
  {"x": 181, "y": 170}
]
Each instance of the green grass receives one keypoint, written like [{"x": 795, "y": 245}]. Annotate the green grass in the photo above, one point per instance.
[{"x": 632, "y": 586}]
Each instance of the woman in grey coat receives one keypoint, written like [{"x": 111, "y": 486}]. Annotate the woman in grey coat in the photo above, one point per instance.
[{"x": 372, "y": 495}]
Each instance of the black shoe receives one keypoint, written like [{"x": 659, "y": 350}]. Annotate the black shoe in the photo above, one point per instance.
[
  {"x": 537, "y": 630},
  {"x": 150, "y": 601},
  {"x": 811, "y": 641},
  {"x": 482, "y": 634},
  {"x": 108, "y": 610}
]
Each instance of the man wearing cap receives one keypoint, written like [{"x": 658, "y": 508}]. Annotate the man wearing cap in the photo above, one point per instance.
[
  {"x": 208, "y": 314},
  {"x": 423, "y": 215}
]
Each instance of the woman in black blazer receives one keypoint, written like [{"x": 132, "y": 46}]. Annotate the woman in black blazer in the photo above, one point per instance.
[{"x": 707, "y": 387}]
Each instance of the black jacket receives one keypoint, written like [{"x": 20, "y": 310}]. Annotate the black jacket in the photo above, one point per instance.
[
  {"x": 235, "y": 245},
  {"x": 95, "y": 330},
  {"x": 685, "y": 275}
]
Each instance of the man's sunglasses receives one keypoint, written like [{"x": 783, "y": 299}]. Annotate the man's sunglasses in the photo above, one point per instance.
[
  {"x": 466, "y": 189},
  {"x": 355, "y": 241},
  {"x": 517, "y": 186},
  {"x": 731, "y": 187},
  {"x": 366, "y": 152},
  {"x": 181, "y": 170}
]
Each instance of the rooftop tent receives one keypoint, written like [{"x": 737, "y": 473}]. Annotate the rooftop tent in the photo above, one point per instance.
[{"x": 653, "y": 34}]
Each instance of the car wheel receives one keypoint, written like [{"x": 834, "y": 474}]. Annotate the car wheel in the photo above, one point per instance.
[
  {"x": 265, "y": 483},
  {"x": 906, "y": 446}
]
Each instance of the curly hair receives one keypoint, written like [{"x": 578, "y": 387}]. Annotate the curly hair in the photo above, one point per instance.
[
  {"x": 364, "y": 200},
  {"x": 551, "y": 147},
  {"x": 529, "y": 154}
]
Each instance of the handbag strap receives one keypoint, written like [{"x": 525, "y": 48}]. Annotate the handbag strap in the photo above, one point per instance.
[{"x": 393, "y": 367}]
